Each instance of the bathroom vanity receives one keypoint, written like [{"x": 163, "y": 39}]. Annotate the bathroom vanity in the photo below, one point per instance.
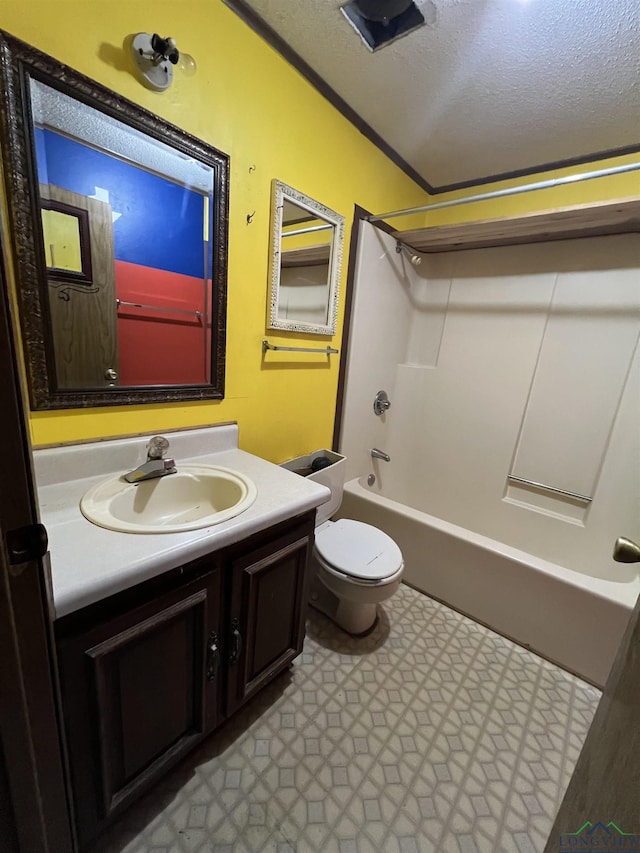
[{"x": 162, "y": 637}]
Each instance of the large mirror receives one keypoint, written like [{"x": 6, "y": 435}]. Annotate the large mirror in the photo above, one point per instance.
[
  {"x": 118, "y": 225},
  {"x": 306, "y": 259}
]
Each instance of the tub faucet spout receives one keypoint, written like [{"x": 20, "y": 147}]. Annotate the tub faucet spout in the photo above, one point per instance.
[{"x": 380, "y": 454}]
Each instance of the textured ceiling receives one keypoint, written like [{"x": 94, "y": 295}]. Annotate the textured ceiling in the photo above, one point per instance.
[{"x": 489, "y": 86}]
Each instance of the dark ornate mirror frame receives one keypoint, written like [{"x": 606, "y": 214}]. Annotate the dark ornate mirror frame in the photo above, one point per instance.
[{"x": 18, "y": 63}]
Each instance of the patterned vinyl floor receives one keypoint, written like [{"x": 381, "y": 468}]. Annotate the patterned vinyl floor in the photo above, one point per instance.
[{"x": 432, "y": 735}]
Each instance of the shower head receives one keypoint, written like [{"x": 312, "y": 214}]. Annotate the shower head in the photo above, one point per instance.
[{"x": 416, "y": 260}]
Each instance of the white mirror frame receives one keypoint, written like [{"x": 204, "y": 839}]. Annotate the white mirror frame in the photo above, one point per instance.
[{"x": 280, "y": 193}]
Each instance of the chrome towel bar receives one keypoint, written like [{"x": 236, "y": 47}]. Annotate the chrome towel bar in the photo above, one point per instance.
[
  {"x": 326, "y": 351},
  {"x": 166, "y": 308},
  {"x": 308, "y": 230},
  {"x": 544, "y": 487}
]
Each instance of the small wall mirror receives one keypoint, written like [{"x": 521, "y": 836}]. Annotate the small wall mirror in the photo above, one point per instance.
[
  {"x": 306, "y": 259},
  {"x": 119, "y": 233}
]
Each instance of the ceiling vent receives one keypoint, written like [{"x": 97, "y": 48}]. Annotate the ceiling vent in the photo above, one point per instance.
[{"x": 379, "y": 22}]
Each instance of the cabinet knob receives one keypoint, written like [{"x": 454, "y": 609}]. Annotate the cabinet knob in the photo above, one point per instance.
[{"x": 110, "y": 374}]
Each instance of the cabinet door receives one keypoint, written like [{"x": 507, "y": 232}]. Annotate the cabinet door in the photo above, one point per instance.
[
  {"x": 267, "y": 615},
  {"x": 139, "y": 691}
]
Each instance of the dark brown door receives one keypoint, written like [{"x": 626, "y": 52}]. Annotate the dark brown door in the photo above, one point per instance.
[
  {"x": 83, "y": 312},
  {"x": 266, "y": 631},
  {"x": 139, "y": 690},
  {"x": 34, "y": 812}
]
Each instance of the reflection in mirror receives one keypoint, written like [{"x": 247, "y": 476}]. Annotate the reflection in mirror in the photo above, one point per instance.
[
  {"x": 142, "y": 316},
  {"x": 65, "y": 230},
  {"x": 306, "y": 259},
  {"x": 124, "y": 219}
]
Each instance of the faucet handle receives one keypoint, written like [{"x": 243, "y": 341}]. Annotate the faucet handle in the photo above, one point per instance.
[
  {"x": 381, "y": 403},
  {"x": 157, "y": 447}
]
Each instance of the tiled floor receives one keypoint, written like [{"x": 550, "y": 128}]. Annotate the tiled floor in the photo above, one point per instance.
[{"x": 432, "y": 735}]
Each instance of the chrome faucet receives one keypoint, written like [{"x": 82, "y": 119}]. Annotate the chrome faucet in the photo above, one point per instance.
[
  {"x": 381, "y": 403},
  {"x": 156, "y": 465},
  {"x": 380, "y": 454}
]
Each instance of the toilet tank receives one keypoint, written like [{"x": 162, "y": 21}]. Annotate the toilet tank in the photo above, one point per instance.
[{"x": 332, "y": 476}]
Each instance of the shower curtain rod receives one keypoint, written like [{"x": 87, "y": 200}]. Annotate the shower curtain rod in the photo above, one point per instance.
[{"x": 540, "y": 185}]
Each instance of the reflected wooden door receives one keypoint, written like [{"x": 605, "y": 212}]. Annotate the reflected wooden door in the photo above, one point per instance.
[{"x": 82, "y": 302}]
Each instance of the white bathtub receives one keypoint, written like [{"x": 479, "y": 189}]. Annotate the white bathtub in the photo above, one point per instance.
[{"x": 572, "y": 619}]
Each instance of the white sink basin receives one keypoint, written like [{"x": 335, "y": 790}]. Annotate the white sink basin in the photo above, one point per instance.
[{"x": 196, "y": 496}]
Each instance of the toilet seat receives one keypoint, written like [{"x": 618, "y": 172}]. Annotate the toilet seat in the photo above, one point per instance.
[{"x": 358, "y": 551}]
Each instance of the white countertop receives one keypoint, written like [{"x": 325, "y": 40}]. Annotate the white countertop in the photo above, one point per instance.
[{"x": 89, "y": 563}]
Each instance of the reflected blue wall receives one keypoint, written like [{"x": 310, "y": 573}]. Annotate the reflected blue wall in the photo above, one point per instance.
[{"x": 161, "y": 225}]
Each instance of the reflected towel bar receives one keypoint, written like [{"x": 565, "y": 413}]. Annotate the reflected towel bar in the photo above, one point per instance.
[
  {"x": 326, "y": 351},
  {"x": 308, "y": 230},
  {"x": 196, "y": 313},
  {"x": 582, "y": 498}
]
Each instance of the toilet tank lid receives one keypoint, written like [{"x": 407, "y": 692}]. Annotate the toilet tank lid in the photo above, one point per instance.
[{"x": 358, "y": 549}]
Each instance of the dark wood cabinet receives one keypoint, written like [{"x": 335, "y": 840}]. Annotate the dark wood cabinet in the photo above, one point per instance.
[
  {"x": 147, "y": 674},
  {"x": 136, "y": 696},
  {"x": 267, "y": 614}
]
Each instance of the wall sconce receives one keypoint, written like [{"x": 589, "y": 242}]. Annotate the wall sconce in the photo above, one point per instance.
[{"x": 155, "y": 57}]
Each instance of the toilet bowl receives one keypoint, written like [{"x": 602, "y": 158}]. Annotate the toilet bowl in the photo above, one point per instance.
[{"x": 355, "y": 566}]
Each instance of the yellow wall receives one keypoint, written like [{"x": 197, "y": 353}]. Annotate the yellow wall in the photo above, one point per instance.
[{"x": 248, "y": 102}]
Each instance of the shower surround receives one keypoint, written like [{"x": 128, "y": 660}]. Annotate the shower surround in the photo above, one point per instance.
[{"x": 503, "y": 365}]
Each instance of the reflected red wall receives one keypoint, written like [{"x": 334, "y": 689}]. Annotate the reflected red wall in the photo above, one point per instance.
[{"x": 161, "y": 347}]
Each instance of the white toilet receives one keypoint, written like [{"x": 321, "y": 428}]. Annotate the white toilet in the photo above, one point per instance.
[{"x": 355, "y": 565}]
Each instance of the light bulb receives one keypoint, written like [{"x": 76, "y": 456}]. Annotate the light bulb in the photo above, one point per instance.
[{"x": 187, "y": 64}]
